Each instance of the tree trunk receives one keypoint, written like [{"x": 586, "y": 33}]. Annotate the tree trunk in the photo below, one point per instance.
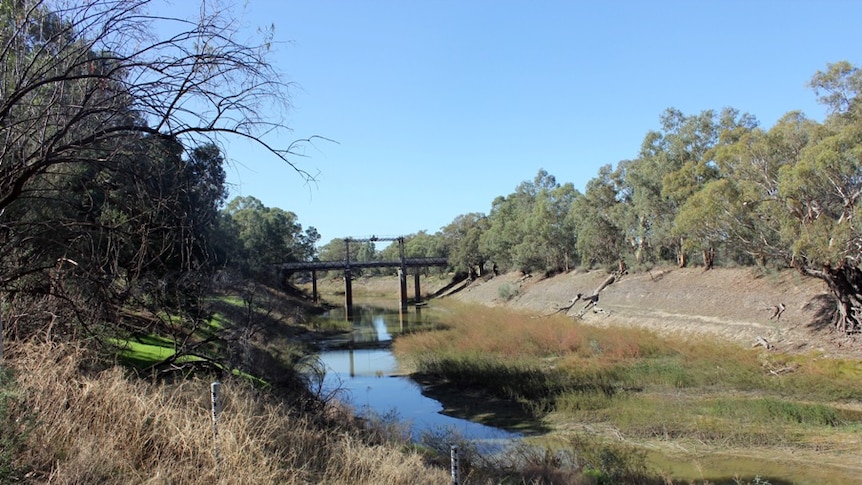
[
  {"x": 845, "y": 283},
  {"x": 607, "y": 282},
  {"x": 681, "y": 259},
  {"x": 613, "y": 277},
  {"x": 708, "y": 258}
]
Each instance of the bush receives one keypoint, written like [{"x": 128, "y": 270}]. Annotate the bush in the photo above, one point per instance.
[{"x": 507, "y": 291}]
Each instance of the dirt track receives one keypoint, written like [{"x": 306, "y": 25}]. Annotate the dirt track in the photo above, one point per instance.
[{"x": 732, "y": 304}]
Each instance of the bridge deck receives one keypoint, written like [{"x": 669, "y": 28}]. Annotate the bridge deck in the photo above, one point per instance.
[{"x": 328, "y": 265}]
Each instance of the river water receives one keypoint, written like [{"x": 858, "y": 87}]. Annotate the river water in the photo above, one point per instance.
[{"x": 368, "y": 380}]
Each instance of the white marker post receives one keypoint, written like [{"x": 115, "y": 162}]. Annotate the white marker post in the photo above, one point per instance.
[
  {"x": 215, "y": 390},
  {"x": 456, "y": 469}
]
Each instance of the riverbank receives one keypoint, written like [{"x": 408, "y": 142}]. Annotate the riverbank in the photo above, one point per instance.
[
  {"x": 733, "y": 304},
  {"x": 695, "y": 425}
]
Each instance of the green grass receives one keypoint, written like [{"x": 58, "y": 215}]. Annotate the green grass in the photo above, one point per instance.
[
  {"x": 145, "y": 351},
  {"x": 772, "y": 410}
]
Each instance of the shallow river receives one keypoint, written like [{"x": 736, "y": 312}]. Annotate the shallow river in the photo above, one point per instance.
[{"x": 369, "y": 381}]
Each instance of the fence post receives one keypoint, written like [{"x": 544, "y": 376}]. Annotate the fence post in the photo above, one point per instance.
[
  {"x": 215, "y": 390},
  {"x": 456, "y": 469}
]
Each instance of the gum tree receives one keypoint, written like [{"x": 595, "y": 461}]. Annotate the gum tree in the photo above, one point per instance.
[
  {"x": 791, "y": 194},
  {"x": 821, "y": 195}
]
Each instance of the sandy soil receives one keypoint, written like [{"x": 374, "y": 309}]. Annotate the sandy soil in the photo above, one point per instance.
[{"x": 731, "y": 304}]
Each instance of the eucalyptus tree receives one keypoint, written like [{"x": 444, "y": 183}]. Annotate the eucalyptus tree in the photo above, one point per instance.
[
  {"x": 424, "y": 245},
  {"x": 821, "y": 196},
  {"x": 551, "y": 228},
  {"x": 672, "y": 165},
  {"x": 742, "y": 207},
  {"x": 93, "y": 100},
  {"x": 601, "y": 240},
  {"x": 518, "y": 233},
  {"x": 334, "y": 250},
  {"x": 502, "y": 233},
  {"x": 461, "y": 242},
  {"x": 418, "y": 245},
  {"x": 267, "y": 237},
  {"x": 715, "y": 132},
  {"x": 337, "y": 250},
  {"x": 367, "y": 251},
  {"x": 791, "y": 194}
]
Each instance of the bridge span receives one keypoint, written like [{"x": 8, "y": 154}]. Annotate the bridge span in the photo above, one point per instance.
[
  {"x": 347, "y": 266},
  {"x": 333, "y": 265}
]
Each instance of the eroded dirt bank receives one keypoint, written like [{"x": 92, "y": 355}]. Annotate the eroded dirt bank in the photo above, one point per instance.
[{"x": 733, "y": 304}]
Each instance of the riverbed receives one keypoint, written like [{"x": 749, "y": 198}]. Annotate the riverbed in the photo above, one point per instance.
[{"x": 365, "y": 373}]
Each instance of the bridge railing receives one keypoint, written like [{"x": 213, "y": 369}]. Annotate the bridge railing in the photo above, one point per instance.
[{"x": 330, "y": 265}]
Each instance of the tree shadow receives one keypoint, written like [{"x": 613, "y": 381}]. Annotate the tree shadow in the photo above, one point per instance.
[
  {"x": 823, "y": 306},
  {"x": 459, "y": 282}
]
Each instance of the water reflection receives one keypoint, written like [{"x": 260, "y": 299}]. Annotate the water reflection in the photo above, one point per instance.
[{"x": 369, "y": 382}]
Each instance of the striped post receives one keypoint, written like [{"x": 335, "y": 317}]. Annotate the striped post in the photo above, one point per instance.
[
  {"x": 456, "y": 467},
  {"x": 215, "y": 390}
]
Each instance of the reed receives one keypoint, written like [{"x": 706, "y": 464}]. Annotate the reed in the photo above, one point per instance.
[{"x": 499, "y": 340}]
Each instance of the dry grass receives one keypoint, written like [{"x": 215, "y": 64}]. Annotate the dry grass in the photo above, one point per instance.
[
  {"x": 100, "y": 426},
  {"x": 509, "y": 334}
]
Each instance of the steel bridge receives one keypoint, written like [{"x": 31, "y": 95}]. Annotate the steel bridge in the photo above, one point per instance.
[{"x": 347, "y": 266}]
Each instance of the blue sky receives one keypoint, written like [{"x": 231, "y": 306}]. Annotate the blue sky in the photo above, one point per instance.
[{"x": 439, "y": 106}]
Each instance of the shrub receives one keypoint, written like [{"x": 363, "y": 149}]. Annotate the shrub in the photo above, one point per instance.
[{"x": 507, "y": 291}]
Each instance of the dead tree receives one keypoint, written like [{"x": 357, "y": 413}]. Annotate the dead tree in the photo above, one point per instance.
[
  {"x": 777, "y": 310},
  {"x": 593, "y": 298},
  {"x": 570, "y": 305}
]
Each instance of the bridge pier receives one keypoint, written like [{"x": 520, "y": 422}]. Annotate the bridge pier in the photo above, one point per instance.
[
  {"x": 417, "y": 297},
  {"x": 314, "y": 296},
  {"x": 402, "y": 273},
  {"x": 402, "y": 281},
  {"x": 348, "y": 294}
]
